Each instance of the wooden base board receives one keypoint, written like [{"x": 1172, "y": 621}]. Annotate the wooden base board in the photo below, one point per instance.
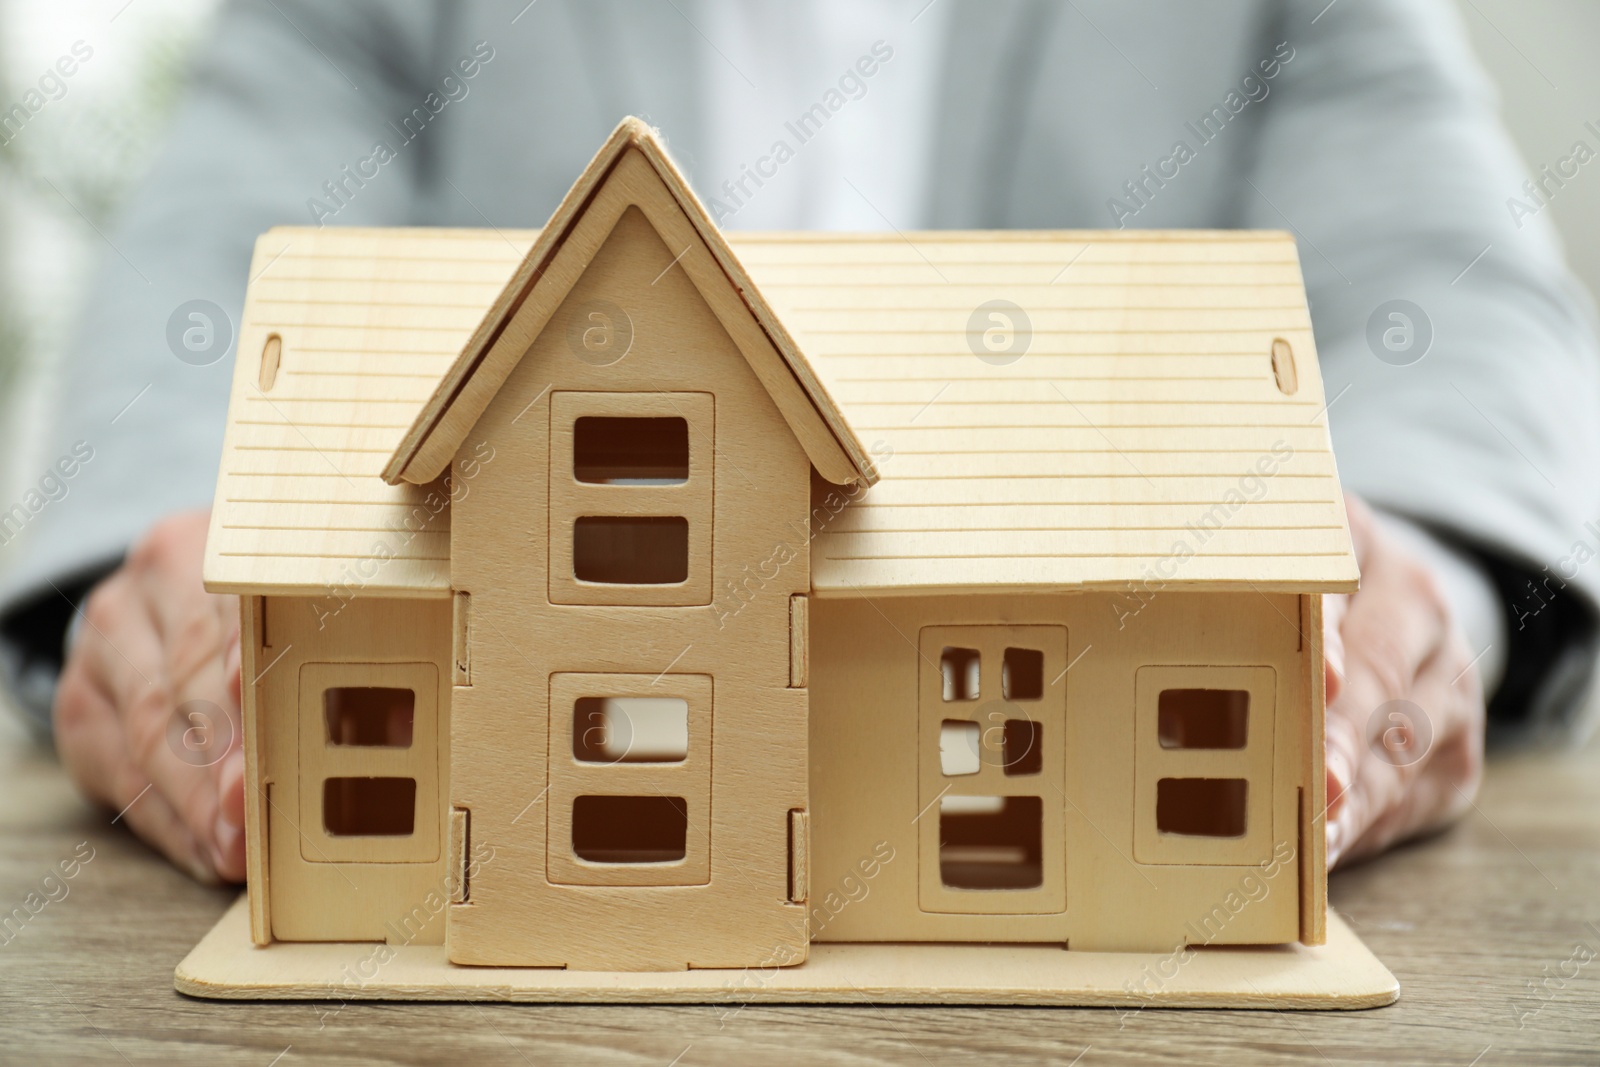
[{"x": 1341, "y": 974}]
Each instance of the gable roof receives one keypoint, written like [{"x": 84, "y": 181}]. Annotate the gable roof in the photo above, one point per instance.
[
  {"x": 634, "y": 167},
  {"x": 1132, "y": 425},
  {"x": 1140, "y": 438},
  {"x": 369, "y": 321}
]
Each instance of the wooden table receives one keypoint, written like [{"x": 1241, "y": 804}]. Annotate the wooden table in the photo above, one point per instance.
[{"x": 1469, "y": 922}]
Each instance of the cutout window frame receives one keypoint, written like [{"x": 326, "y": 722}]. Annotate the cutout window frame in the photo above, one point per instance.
[
  {"x": 615, "y": 825},
  {"x": 347, "y": 726},
  {"x": 1253, "y": 763},
  {"x": 322, "y": 759},
  {"x": 958, "y": 858},
  {"x": 656, "y": 440},
  {"x": 571, "y": 777},
  {"x": 389, "y": 790},
  {"x": 690, "y": 499},
  {"x": 1041, "y": 773},
  {"x": 594, "y": 727}
]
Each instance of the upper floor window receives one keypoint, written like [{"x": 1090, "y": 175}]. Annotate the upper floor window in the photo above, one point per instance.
[
  {"x": 607, "y": 450},
  {"x": 630, "y": 498}
]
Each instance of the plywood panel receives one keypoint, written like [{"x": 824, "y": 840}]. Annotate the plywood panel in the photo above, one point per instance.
[
  {"x": 320, "y": 891},
  {"x": 632, "y": 167},
  {"x": 1144, "y": 402},
  {"x": 1139, "y": 376},
  {"x": 252, "y": 635},
  {"x": 868, "y": 811},
  {"x": 367, "y": 320},
  {"x": 525, "y": 907},
  {"x": 1343, "y": 974}
]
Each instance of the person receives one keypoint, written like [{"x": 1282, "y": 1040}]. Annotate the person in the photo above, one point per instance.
[{"x": 1459, "y": 353}]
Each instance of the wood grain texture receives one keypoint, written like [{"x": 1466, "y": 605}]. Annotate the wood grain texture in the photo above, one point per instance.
[
  {"x": 1132, "y": 421},
  {"x": 1465, "y": 921},
  {"x": 322, "y": 887},
  {"x": 632, "y": 167},
  {"x": 1314, "y": 800},
  {"x": 799, "y": 640},
  {"x": 253, "y": 728},
  {"x": 721, "y": 640},
  {"x": 875, "y": 771},
  {"x": 1137, "y": 421},
  {"x": 368, "y": 321},
  {"x": 1340, "y": 976}
]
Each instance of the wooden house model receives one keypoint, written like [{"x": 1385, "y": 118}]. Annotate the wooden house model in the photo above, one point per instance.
[{"x": 631, "y": 596}]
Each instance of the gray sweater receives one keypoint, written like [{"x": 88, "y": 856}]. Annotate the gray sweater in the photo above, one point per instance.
[{"x": 1373, "y": 138}]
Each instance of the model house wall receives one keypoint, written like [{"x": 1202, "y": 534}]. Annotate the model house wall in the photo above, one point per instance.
[
  {"x": 355, "y": 821},
  {"x": 1100, "y": 875},
  {"x": 546, "y": 645}
]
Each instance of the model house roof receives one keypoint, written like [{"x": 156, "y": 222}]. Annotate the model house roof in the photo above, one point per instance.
[
  {"x": 1140, "y": 436},
  {"x": 369, "y": 322},
  {"x": 631, "y": 169},
  {"x": 1137, "y": 432}
]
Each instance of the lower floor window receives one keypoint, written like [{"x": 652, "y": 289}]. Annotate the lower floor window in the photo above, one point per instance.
[
  {"x": 991, "y": 842},
  {"x": 653, "y": 829},
  {"x": 629, "y": 798},
  {"x": 1201, "y": 807},
  {"x": 369, "y": 774},
  {"x": 1204, "y": 761},
  {"x": 369, "y": 807}
]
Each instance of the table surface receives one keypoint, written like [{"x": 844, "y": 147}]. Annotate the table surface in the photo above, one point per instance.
[{"x": 1488, "y": 928}]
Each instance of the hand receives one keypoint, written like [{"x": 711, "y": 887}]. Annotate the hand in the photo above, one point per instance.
[
  {"x": 152, "y": 641},
  {"x": 1396, "y": 770}
]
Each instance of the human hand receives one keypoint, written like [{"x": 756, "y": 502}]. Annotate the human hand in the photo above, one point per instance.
[
  {"x": 1405, "y": 715},
  {"x": 147, "y": 710}
]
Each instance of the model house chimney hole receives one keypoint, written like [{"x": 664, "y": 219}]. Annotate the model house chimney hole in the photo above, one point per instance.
[
  {"x": 1283, "y": 370},
  {"x": 271, "y": 357}
]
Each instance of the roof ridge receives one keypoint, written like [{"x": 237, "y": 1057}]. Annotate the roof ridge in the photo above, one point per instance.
[{"x": 408, "y": 462}]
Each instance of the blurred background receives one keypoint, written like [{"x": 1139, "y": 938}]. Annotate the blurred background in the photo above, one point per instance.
[{"x": 63, "y": 176}]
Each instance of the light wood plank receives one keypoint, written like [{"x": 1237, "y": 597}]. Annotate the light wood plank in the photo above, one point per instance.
[{"x": 1341, "y": 975}]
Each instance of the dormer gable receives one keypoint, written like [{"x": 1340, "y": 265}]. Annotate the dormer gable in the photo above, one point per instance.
[{"x": 631, "y": 173}]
